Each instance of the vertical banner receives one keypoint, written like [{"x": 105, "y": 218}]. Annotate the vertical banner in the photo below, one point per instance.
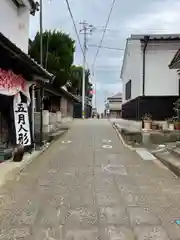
[{"x": 21, "y": 119}]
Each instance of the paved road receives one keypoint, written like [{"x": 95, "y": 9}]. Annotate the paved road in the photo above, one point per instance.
[{"x": 79, "y": 190}]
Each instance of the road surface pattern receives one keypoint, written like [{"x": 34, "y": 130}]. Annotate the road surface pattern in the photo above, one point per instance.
[{"x": 80, "y": 190}]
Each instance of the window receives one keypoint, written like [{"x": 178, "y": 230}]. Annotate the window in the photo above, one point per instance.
[{"x": 128, "y": 90}]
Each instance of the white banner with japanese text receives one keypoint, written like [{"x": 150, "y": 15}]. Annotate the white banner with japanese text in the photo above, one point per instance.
[{"x": 21, "y": 119}]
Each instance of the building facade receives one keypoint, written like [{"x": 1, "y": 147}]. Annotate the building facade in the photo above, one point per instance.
[
  {"x": 114, "y": 106},
  {"x": 14, "y": 21},
  {"x": 18, "y": 74},
  {"x": 149, "y": 86}
]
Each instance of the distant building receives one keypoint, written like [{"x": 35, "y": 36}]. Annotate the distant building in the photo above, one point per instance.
[
  {"x": 113, "y": 106},
  {"x": 94, "y": 112},
  {"x": 149, "y": 86}
]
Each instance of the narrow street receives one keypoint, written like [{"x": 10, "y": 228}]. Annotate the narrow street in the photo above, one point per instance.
[{"x": 88, "y": 186}]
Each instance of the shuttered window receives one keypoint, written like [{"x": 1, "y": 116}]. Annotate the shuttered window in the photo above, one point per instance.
[{"x": 128, "y": 90}]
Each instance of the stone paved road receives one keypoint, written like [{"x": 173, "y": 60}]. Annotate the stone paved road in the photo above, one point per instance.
[{"x": 79, "y": 190}]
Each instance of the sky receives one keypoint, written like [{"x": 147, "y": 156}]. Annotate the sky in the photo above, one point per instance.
[{"x": 128, "y": 17}]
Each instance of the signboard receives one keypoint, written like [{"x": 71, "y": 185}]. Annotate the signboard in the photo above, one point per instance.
[{"x": 21, "y": 118}]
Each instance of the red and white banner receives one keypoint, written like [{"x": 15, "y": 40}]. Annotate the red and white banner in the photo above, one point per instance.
[{"x": 11, "y": 84}]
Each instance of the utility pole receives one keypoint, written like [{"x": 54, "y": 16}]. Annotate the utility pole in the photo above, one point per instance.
[
  {"x": 105, "y": 102},
  {"x": 41, "y": 33},
  {"x": 86, "y": 29},
  {"x": 84, "y": 70},
  {"x": 41, "y": 92},
  {"x": 95, "y": 99}
]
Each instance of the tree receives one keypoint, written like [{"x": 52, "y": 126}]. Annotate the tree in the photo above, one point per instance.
[
  {"x": 76, "y": 79},
  {"x": 58, "y": 54},
  {"x": 76, "y": 76}
]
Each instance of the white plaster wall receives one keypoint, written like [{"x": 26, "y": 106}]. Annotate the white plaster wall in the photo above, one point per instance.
[
  {"x": 115, "y": 105},
  {"x": 14, "y": 23},
  {"x": 132, "y": 68},
  {"x": 159, "y": 79}
]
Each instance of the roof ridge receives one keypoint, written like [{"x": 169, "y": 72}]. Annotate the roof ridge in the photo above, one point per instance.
[
  {"x": 155, "y": 36},
  {"x": 117, "y": 95}
]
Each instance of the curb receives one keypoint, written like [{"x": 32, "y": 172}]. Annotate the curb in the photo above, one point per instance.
[
  {"x": 20, "y": 166},
  {"x": 172, "y": 167},
  {"x": 121, "y": 138}
]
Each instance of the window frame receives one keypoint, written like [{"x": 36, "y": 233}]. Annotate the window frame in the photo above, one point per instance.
[{"x": 128, "y": 88}]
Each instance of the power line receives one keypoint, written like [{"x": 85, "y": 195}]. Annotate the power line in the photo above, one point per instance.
[
  {"x": 101, "y": 28},
  {"x": 76, "y": 31},
  {"x": 106, "y": 25},
  {"x": 119, "y": 49}
]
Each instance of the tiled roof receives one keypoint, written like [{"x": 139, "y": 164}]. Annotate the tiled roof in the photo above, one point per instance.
[
  {"x": 175, "y": 61},
  {"x": 59, "y": 91},
  {"x": 118, "y": 95},
  {"x": 70, "y": 94},
  {"x": 156, "y": 36},
  {"x": 32, "y": 2},
  {"x": 34, "y": 6},
  {"x": 15, "y": 51}
]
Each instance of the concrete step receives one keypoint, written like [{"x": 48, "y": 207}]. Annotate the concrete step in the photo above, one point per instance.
[
  {"x": 56, "y": 134},
  {"x": 147, "y": 138},
  {"x": 130, "y": 135},
  {"x": 174, "y": 150},
  {"x": 169, "y": 158}
]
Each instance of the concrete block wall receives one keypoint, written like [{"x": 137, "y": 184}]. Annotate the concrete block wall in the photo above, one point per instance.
[
  {"x": 63, "y": 106},
  {"x": 37, "y": 122},
  {"x": 129, "y": 124},
  {"x": 51, "y": 122}
]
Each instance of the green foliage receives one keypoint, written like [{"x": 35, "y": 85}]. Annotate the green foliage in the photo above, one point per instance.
[
  {"x": 76, "y": 76},
  {"x": 58, "y": 54}
]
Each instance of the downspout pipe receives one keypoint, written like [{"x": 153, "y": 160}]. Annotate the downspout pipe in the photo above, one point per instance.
[{"x": 146, "y": 40}]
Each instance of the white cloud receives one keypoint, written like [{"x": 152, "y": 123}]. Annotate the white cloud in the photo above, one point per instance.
[
  {"x": 162, "y": 17},
  {"x": 111, "y": 88}
]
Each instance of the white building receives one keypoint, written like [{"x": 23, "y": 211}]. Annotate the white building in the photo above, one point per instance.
[
  {"x": 149, "y": 86},
  {"x": 14, "y": 21},
  {"x": 114, "y": 105}
]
